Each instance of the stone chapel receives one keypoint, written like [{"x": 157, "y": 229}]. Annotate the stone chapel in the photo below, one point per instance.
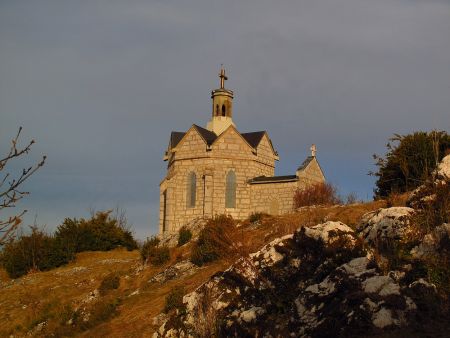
[{"x": 219, "y": 170}]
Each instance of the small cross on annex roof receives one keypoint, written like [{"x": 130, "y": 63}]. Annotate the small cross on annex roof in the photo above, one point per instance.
[{"x": 313, "y": 150}]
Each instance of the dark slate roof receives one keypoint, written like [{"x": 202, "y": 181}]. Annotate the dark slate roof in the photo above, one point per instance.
[
  {"x": 253, "y": 138},
  {"x": 305, "y": 163},
  {"x": 175, "y": 138},
  {"x": 209, "y": 136},
  {"x": 273, "y": 179}
]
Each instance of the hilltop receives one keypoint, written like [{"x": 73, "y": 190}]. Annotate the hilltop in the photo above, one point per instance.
[
  {"x": 45, "y": 303},
  {"x": 365, "y": 269}
]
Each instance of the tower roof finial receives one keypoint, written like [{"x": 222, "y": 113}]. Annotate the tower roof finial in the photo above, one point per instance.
[
  {"x": 222, "y": 76},
  {"x": 313, "y": 150}
]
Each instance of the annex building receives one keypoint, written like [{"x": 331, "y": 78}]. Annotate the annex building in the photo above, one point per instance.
[{"x": 219, "y": 170}]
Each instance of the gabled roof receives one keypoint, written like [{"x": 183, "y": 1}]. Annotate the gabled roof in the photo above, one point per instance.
[
  {"x": 207, "y": 135},
  {"x": 253, "y": 138},
  {"x": 175, "y": 138},
  {"x": 273, "y": 179},
  {"x": 305, "y": 163}
]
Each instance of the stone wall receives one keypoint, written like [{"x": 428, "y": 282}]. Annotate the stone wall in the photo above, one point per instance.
[
  {"x": 312, "y": 174},
  {"x": 273, "y": 198},
  {"x": 211, "y": 165},
  {"x": 229, "y": 152}
]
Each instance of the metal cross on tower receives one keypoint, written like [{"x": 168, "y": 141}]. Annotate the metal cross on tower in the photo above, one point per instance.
[{"x": 223, "y": 78}]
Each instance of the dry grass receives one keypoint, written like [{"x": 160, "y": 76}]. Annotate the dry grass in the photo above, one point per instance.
[
  {"x": 316, "y": 194},
  {"x": 44, "y": 296}
]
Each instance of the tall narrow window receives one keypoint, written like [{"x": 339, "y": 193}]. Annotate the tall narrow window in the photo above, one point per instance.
[
  {"x": 223, "y": 110},
  {"x": 217, "y": 110},
  {"x": 191, "y": 190},
  {"x": 230, "y": 192}
]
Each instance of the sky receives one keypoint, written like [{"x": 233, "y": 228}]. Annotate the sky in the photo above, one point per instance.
[{"x": 100, "y": 84}]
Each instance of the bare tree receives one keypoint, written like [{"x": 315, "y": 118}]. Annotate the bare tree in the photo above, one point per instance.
[{"x": 10, "y": 192}]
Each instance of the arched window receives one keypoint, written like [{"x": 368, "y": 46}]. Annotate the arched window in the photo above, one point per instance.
[
  {"x": 230, "y": 191},
  {"x": 223, "y": 110},
  {"x": 217, "y": 110},
  {"x": 191, "y": 190}
]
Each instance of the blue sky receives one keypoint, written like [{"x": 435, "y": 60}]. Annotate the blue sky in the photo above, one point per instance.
[{"x": 100, "y": 84}]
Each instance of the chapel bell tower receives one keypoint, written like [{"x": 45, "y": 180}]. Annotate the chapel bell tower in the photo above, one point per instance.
[{"x": 222, "y": 107}]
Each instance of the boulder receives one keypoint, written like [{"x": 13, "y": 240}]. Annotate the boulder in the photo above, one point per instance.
[
  {"x": 301, "y": 285},
  {"x": 195, "y": 226},
  {"x": 385, "y": 224},
  {"x": 433, "y": 242}
]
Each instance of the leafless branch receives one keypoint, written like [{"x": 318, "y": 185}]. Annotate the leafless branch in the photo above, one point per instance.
[{"x": 9, "y": 187}]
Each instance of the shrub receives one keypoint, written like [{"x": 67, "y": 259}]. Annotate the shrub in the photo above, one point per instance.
[
  {"x": 37, "y": 251},
  {"x": 351, "y": 198},
  {"x": 110, "y": 282},
  {"x": 151, "y": 253},
  {"x": 432, "y": 204},
  {"x": 257, "y": 217},
  {"x": 214, "y": 240},
  {"x": 184, "y": 235},
  {"x": 409, "y": 161},
  {"x": 174, "y": 299},
  {"x": 100, "y": 312},
  {"x": 99, "y": 233},
  {"x": 160, "y": 255},
  {"x": 316, "y": 194}
]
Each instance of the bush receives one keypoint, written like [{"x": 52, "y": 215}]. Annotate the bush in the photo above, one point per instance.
[
  {"x": 184, "y": 235},
  {"x": 409, "y": 161},
  {"x": 99, "y": 233},
  {"x": 110, "y": 282},
  {"x": 214, "y": 240},
  {"x": 37, "y": 251},
  {"x": 257, "y": 217},
  {"x": 316, "y": 194},
  {"x": 174, "y": 299},
  {"x": 151, "y": 253}
]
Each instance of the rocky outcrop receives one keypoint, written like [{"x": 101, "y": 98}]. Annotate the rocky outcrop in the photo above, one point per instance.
[
  {"x": 434, "y": 242},
  {"x": 317, "y": 282},
  {"x": 178, "y": 270},
  {"x": 385, "y": 225},
  {"x": 195, "y": 226},
  {"x": 426, "y": 194},
  {"x": 443, "y": 170}
]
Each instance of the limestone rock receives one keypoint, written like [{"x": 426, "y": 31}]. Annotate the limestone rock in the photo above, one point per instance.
[
  {"x": 432, "y": 242},
  {"x": 195, "y": 226},
  {"x": 301, "y": 285},
  {"x": 443, "y": 169},
  {"x": 385, "y": 224},
  {"x": 183, "y": 268}
]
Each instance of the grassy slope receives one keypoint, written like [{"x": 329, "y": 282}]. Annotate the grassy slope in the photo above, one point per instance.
[{"x": 45, "y": 296}]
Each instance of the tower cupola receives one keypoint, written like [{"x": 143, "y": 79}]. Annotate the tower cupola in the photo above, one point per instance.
[{"x": 222, "y": 106}]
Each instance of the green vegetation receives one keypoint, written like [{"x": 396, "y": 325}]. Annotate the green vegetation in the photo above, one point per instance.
[
  {"x": 214, "y": 240},
  {"x": 153, "y": 254},
  {"x": 184, "y": 236},
  {"x": 35, "y": 252},
  {"x": 110, "y": 282},
  {"x": 409, "y": 161},
  {"x": 40, "y": 252},
  {"x": 99, "y": 233},
  {"x": 174, "y": 299}
]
